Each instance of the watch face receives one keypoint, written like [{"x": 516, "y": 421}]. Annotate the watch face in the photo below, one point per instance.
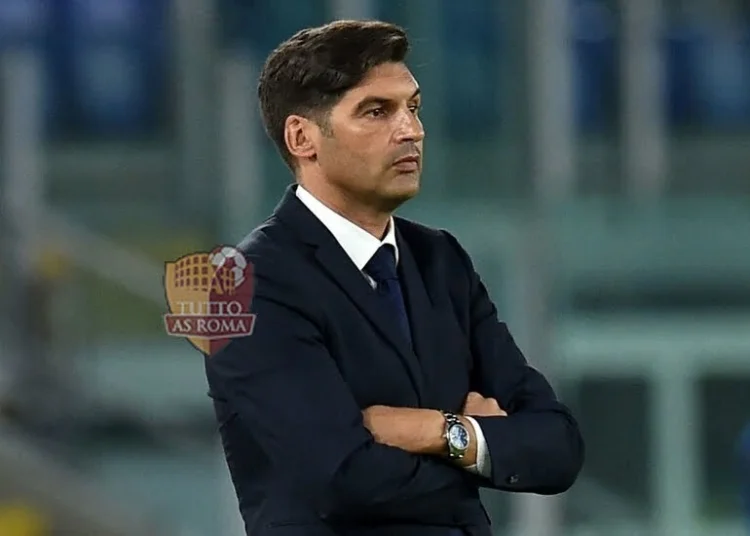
[{"x": 458, "y": 437}]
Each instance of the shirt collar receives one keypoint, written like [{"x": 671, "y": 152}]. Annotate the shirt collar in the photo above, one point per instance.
[{"x": 358, "y": 244}]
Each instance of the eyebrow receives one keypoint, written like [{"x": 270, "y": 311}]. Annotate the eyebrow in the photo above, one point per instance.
[{"x": 382, "y": 100}]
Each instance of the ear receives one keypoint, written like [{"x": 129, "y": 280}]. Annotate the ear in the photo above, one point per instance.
[{"x": 299, "y": 135}]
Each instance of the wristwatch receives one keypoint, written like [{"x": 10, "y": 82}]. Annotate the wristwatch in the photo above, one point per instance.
[{"x": 456, "y": 436}]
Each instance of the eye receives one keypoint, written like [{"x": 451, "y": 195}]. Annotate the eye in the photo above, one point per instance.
[
  {"x": 414, "y": 108},
  {"x": 376, "y": 112}
]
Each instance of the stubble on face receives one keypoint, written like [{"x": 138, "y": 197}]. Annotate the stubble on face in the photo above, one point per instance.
[{"x": 374, "y": 125}]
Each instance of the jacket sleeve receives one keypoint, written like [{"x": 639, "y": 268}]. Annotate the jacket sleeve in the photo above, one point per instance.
[
  {"x": 538, "y": 448},
  {"x": 284, "y": 386}
]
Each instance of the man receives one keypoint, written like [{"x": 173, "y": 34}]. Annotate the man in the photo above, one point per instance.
[{"x": 378, "y": 391}]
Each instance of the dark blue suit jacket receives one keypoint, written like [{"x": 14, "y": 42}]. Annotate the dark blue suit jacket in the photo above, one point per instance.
[
  {"x": 288, "y": 398},
  {"x": 744, "y": 465}
]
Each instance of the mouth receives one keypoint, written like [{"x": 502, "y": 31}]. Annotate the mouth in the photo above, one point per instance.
[{"x": 407, "y": 163}]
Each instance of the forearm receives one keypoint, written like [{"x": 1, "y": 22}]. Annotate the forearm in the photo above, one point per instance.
[
  {"x": 537, "y": 452},
  {"x": 538, "y": 447},
  {"x": 417, "y": 431}
]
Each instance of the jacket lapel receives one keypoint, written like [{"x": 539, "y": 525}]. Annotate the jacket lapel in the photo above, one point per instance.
[
  {"x": 334, "y": 261},
  {"x": 420, "y": 309}
]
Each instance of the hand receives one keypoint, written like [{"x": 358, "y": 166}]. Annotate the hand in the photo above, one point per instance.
[
  {"x": 414, "y": 430},
  {"x": 476, "y": 405}
]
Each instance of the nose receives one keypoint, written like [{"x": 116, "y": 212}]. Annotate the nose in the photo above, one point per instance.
[{"x": 409, "y": 128}]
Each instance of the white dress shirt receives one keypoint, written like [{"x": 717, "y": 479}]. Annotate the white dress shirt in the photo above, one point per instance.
[{"x": 360, "y": 246}]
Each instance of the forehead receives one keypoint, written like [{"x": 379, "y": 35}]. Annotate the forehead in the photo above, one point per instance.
[{"x": 389, "y": 80}]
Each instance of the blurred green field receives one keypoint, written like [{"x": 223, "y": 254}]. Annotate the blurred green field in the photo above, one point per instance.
[
  {"x": 102, "y": 308},
  {"x": 116, "y": 312}
]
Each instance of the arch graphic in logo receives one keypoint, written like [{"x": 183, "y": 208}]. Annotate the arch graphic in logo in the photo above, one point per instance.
[{"x": 209, "y": 297}]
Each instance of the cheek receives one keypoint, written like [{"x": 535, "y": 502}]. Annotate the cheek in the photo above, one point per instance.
[
  {"x": 362, "y": 155},
  {"x": 341, "y": 163},
  {"x": 355, "y": 152},
  {"x": 375, "y": 151}
]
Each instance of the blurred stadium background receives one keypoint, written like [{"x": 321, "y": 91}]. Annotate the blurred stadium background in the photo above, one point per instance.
[{"x": 593, "y": 156}]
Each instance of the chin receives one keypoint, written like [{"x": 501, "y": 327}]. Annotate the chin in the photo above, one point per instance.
[
  {"x": 408, "y": 182},
  {"x": 402, "y": 189}
]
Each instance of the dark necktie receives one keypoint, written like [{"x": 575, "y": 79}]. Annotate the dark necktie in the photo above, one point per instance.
[{"x": 382, "y": 269}]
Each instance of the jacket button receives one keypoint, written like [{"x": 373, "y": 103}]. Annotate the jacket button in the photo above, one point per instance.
[{"x": 513, "y": 479}]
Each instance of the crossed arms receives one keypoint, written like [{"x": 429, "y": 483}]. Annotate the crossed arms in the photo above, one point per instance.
[
  {"x": 386, "y": 463},
  {"x": 421, "y": 431}
]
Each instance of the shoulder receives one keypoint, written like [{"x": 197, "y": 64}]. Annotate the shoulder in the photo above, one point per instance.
[
  {"x": 267, "y": 244},
  {"x": 268, "y": 240},
  {"x": 437, "y": 242},
  {"x": 278, "y": 260}
]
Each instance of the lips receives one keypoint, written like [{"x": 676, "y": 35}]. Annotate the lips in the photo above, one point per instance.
[
  {"x": 413, "y": 158},
  {"x": 408, "y": 163}
]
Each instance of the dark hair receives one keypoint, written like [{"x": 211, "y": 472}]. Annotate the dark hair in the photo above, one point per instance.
[{"x": 310, "y": 72}]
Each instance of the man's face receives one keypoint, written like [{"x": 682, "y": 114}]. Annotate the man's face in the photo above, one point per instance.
[{"x": 373, "y": 150}]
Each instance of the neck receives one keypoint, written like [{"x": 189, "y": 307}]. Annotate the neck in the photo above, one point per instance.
[{"x": 343, "y": 203}]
